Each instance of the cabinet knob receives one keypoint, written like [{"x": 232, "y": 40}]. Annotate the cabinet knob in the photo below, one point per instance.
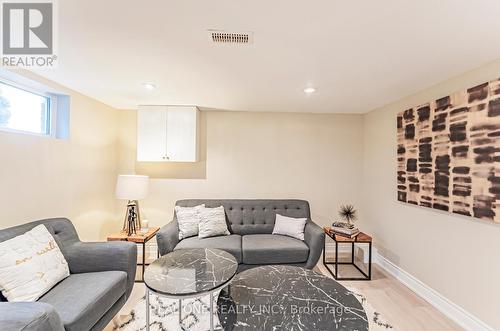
[{"x": 166, "y": 158}]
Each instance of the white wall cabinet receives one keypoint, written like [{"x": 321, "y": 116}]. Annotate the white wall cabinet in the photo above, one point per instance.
[{"x": 167, "y": 134}]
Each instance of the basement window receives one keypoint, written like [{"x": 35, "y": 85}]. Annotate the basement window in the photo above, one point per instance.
[
  {"x": 25, "y": 111},
  {"x": 32, "y": 108}
]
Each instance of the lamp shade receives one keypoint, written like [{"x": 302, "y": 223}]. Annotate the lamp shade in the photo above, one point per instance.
[{"x": 132, "y": 187}]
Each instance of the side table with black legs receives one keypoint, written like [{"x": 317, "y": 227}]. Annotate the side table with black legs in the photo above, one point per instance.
[
  {"x": 361, "y": 238},
  {"x": 140, "y": 239}
]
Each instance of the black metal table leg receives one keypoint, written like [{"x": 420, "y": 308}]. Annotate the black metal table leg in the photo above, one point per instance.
[
  {"x": 336, "y": 258},
  {"x": 140, "y": 239},
  {"x": 352, "y": 252},
  {"x": 324, "y": 252},
  {"x": 370, "y": 261},
  {"x": 143, "y": 259},
  {"x": 367, "y": 276}
]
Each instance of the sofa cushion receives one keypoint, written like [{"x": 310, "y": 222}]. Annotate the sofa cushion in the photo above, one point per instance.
[
  {"x": 82, "y": 299},
  {"x": 273, "y": 249},
  {"x": 230, "y": 244}
]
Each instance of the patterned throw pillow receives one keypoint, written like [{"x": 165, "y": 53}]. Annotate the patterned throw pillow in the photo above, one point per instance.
[
  {"x": 30, "y": 265},
  {"x": 188, "y": 219},
  {"x": 212, "y": 222}
]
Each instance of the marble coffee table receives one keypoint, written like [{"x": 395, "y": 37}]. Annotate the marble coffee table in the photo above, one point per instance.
[
  {"x": 188, "y": 273},
  {"x": 288, "y": 298}
]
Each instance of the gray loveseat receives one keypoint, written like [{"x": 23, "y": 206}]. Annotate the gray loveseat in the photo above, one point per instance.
[
  {"x": 101, "y": 279},
  {"x": 251, "y": 224}
]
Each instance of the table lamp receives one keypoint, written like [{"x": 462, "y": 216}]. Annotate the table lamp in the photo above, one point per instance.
[{"x": 132, "y": 188}]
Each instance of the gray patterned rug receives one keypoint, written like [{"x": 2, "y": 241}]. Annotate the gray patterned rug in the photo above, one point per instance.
[{"x": 164, "y": 315}]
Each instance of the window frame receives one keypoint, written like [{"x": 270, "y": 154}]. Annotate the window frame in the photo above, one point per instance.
[{"x": 51, "y": 120}]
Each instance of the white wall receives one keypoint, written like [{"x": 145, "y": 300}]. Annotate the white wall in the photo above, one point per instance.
[
  {"x": 457, "y": 256},
  {"x": 258, "y": 155},
  {"x": 43, "y": 177}
]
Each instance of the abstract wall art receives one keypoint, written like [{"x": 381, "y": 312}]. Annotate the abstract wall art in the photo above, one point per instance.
[{"x": 448, "y": 153}]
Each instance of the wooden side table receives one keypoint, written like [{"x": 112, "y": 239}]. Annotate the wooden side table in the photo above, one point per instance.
[
  {"x": 361, "y": 238},
  {"x": 140, "y": 239}
]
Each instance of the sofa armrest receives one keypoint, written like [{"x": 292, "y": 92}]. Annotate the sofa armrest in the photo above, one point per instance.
[
  {"x": 168, "y": 237},
  {"x": 17, "y": 316},
  {"x": 85, "y": 257},
  {"x": 314, "y": 237}
]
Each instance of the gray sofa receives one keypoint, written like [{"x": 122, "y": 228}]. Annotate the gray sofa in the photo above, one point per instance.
[
  {"x": 101, "y": 279},
  {"x": 251, "y": 224}
]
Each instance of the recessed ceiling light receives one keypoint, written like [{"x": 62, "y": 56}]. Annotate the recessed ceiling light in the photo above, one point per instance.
[
  {"x": 149, "y": 86},
  {"x": 309, "y": 90}
]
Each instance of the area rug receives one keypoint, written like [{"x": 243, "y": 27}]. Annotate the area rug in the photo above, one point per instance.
[{"x": 195, "y": 316}]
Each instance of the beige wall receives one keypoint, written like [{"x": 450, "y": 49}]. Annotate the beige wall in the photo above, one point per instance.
[
  {"x": 243, "y": 155},
  {"x": 326, "y": 159},
  {"x": 457, "y": 256},
  {"x": 258, "y": 155},
  {"x": 44, "y": 177}
]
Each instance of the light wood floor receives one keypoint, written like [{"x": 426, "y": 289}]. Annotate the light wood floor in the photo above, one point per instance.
[{"x": 398, "y": 305}]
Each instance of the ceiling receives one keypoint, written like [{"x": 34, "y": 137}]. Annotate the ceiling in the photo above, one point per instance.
[{"x": 359, "y": 55}]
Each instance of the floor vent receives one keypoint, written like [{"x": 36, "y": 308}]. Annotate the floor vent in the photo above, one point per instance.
[{"x": 225, "y": 37}]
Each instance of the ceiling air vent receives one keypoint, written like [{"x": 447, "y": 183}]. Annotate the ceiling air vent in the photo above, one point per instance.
[{"x": 226, "y": 37}]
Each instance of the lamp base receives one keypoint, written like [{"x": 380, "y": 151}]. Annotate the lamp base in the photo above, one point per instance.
[{"x": 132, "y": 222}]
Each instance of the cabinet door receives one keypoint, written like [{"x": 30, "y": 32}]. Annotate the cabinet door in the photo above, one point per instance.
[
  {"x": 152, "y": 133},
  {"x": 182, "y": 134}
]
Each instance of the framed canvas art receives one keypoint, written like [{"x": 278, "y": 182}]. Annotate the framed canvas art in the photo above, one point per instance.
[{"x": 448, "y": 153}]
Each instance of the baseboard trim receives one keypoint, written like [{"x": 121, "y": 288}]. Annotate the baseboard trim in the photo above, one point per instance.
[{"x": 443, "y": 304}]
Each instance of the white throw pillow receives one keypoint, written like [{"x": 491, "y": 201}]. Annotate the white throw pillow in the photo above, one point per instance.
[
  {"x": 30, "y": 265},
  {"x": 188, "y": 219},
  {"x": 212, "y": 222},
  {"x": 289, "y": 226}
]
